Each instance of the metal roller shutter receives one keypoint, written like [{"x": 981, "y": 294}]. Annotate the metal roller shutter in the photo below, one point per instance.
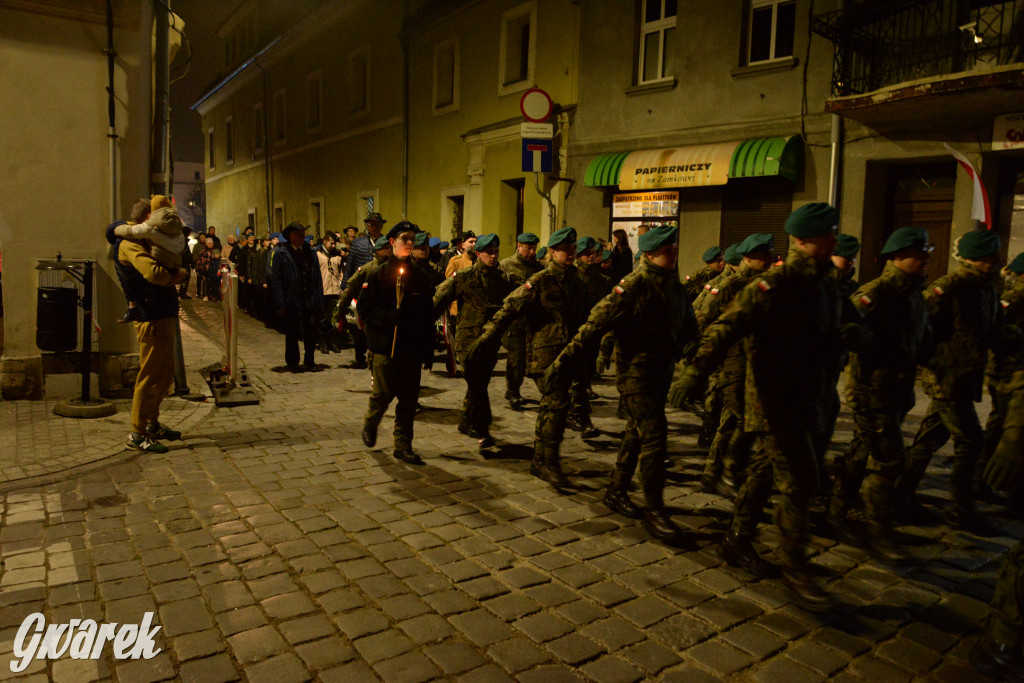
[{"x": 749, "y": 207}]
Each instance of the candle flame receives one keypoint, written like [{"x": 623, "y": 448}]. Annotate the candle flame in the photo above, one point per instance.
[{"x": 401, "y": 271}]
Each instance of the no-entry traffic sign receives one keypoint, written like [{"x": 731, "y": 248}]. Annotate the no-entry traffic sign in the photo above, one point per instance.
[{"x": 536, "y": 105}]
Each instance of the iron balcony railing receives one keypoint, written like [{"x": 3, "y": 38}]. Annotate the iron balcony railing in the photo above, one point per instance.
[{"x": 879, "y": 43}]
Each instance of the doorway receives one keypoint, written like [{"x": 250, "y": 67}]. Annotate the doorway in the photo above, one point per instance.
[
  {"x": 511, "y": 208},
  {"x": 922, "y": 195}
]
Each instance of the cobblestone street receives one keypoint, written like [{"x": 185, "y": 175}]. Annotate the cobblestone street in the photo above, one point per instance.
[{"x": 273, "y": 546}]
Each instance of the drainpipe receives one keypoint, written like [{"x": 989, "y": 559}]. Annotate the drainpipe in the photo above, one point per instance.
[
  {"x": 405, "y": 118},
  {"x": 268, "y": 178},
  {"x": 835, "y": 163},
  {"x": 111, "y": 129},
  {"x": 158, "y": 161}
]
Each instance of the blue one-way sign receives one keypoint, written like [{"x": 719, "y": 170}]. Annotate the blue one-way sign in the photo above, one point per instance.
[{"x": 536, "y": 155}]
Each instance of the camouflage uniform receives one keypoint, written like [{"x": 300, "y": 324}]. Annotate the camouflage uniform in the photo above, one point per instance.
[
  {"x": 713, "y": 399},
  {"x": 514, "y": 341},
  {"x": 792, "y": 315},
  {"x": 597, "y": 284},
  {"x": 1005, "y": 623},
  {"x": 1005, "y": 378},
  {"x": 730, "y": 448},
  {"x": 693, "y": 284},
  {"x": 653, "y": 322},
  {"x": 353, "y": 287},
  {"x": 479, "y": 292},
  {"x": 964, "y": 310},
  {"x": 553, "y": 305},
  {"x": 432, "y": 270},
  {"x": 881, "y": 393}
]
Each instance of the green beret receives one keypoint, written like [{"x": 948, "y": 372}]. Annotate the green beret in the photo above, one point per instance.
[
  {"x": 488, "y": 241},
  {"x": 422, "y": 239},
  {"x": 585, "y": 243},
  {"x": 561, "y": 236},
  {"x": 978, "y": 244},
  {"x": 1017, "y": 264},
  {"x": 541, "y": 253},
  {"x": 731, "y": 256},
  {"x": 606, "y": 254},
  {"x": 812, "y": 220},
  {"x": 528, "y": 238},
  {"x": 847, "y": 246},
  {"x": 905, "y": 238},
  {"x": 711, "y": 254},
  {"x": 657, "y": 237},
  {"x": 381, "y": 243},
  {"x": 759, "y": 241}
]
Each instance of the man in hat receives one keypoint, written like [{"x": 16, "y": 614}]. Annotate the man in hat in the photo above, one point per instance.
[
  {"x": 730, "y": 447},
  {"x": 519, "y": 267},
  {"x": 964, "y": 310},
  {"x": 713, "y": 265},
  {"x": 844, "y": 258},
  {"x": 588, "y": 259},
  {"x": 792, "y": 317},
  {"x": 361, "y": 249},
  {"x": 381, "y": 253},
  {"x": 465, "y": 258},
  {"x": 552, "y": 302},
  {"x": 396, "y": 310},
  {"x": 653, "y": 322},
  {"x": 880, "y": 388},
  {"x": 298, "y": 295},
  {"x": 421, "y": 258},
  {"x": 479, "y": 292}
]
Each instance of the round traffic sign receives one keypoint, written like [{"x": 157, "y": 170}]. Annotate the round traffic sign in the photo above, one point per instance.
[{"x": 536, "y": 105}]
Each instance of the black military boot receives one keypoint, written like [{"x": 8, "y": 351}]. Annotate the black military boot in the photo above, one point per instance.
[
  {"x": 617, "y": 497},
  {"x": 587, "y": 428},
  {"x": 656, "y": 520},
  {"x": 809, "y": 595},
  {"x": 997, "y": 661},
  {"x": 369, "y": 435},
  {"x": 515, "y": 401},
  {"x": 884, "y": 549},
  {"x": 550, "y": 467},
  {"x": 737, "y": 552}
]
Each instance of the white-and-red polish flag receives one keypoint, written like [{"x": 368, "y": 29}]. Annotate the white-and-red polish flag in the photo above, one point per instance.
[{"x": 980, "y": 210}]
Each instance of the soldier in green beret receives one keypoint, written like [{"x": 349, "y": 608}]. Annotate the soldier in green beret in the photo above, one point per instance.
[
  {"x": 713, "y": 265},
  {"x": 479, "y": 291},
  {"x": 552, "y": 304},
  {"x": 964, "y": 310},
  {"x": 844, "y": 258},
  {"x": 421, "y": 259},
  {"x": 653, "y": 322},
  {"x": 730, "y": 448},
  {"x": 519, "y": 267},
  {"x": 588, "y": 262},
  {"x": 792, "y": 315},
  {"x": 880, "y": 388},
  {"x": 354, "y": 285}
]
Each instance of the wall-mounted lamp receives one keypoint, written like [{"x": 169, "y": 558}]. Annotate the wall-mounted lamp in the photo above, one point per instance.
[{"x": 971, "y": 31}]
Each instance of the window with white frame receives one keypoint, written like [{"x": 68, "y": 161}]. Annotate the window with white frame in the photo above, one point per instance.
[
  {"x": 657, "y": 40},
  {"x": 210, "y": 148},
  {"x": 229, "y": 140},
  {"x": 771, "y": 28},
  {"x": 518, "y": 45},
  {"x": 280, "y": 122},
  {"x": 359, "y": 80},
  {"x": 446, "y": 76},
  {"x": 314, "y": 102},
  {"x": 258, "y": 126}
]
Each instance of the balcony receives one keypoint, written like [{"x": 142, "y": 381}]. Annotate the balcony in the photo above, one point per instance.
[{"x": 896, "y": 60}]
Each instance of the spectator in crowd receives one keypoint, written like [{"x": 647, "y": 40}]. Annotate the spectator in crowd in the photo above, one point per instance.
[{"x": 298, "y": 295}]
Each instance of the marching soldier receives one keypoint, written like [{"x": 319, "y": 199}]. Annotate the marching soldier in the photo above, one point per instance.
[
  {"x": 520, "y": 266},
  {"x": 395, "y": 306},
  {"x": 479, "y": 291},
  {"x": 588, "y": 254},
  {"x": 881, "y": 387},
  {"x": 963, "y": 307},
  {"x": 844, "y": 258},
  {"x": 653, "y": 322},
  {"x": 421, "y": 259},
  {"x": 792, "y": 316},
  {"x": 552, "y": 302},
  {"x": 730, "y": 448},
  {"x": 353, "y": 287},
  {"x": 712, "y": 268}
]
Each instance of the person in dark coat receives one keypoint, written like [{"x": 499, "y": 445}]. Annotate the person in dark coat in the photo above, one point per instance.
[
  {"x": 298, "y": 295},
  {"x": 361, "y": 250}
]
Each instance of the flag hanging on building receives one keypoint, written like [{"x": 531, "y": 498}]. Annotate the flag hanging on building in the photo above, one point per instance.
[{"x": 980, "y": 210}]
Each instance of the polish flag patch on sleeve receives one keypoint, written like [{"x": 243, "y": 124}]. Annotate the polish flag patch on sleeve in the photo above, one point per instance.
[
  {"x": 714, "y": 291},
  {"x": 528, "y": 285},
  {"x": 619, "y": 290},
  {"x": 365, "y": 285},
  {"x": 938, "y": 290},
  {"x": 763, "y": 285},
  {"x": 1006, "y": 304},
  {"x": 708, "y": 287},
  {"x": 866, "y": 300},
  {"x": 688, "y": 278}
]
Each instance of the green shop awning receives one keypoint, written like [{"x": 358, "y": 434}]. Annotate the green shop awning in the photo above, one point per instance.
[{"x": 698, "y": 165}]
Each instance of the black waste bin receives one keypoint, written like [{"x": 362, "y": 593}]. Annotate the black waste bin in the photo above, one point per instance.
[{"x": 57, "y": 319}]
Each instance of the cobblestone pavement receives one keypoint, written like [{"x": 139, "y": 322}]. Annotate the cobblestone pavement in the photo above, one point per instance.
[{"x": 273, "y": 546}]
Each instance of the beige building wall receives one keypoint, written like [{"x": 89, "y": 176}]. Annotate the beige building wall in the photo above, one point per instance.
[{"x": 54, "y": 170}]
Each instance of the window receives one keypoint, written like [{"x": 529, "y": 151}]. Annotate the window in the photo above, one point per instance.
[
  {"x": 316, "y": 215},
  {"x": 210, "y": 148},
  {"x": 314, "y": 103},
  {"x": 359, "y": 80},
  {"x": 258, "y": 126},
  {"x": 518, "y": 41},
  {"x": 446, "y": 76},
  {"x": 229, "y": 140},
  {"x": 278, "y": 216},
  {"x": 280, "y": 127},
  {"x": 366, "y": 204},
  {"x": 657, "y": 40},
  {"x": 197, "y": 176},
  {"x": 771, "y": 28}
]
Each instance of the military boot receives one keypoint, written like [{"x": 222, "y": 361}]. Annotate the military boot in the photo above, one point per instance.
[
  {"x": 809, "y": 595},
  {"x": 883, "y": 548},
  {"x": 998, "y": 661},
  {"x": 617, "y": 497},
  {"x": 657, "y": 520},
  {"x": 738, "y": 552},
  {"x": 550, "y": 466}
]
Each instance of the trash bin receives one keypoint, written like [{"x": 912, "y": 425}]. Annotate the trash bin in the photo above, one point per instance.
[{"x": 57, "y": 319}]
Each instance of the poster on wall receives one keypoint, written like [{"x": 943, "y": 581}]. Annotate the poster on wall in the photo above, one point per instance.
[
  {"x": 633, "y": 209},
  {"x": 1008, "y": 132}
]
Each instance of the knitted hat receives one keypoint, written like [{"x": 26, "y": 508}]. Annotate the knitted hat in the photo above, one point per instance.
[{"x": 812, "y": 220}]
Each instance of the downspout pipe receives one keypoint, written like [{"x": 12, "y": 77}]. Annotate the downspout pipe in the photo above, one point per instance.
[
  {"x": 836, "y": 140},
  {"x": 268, "y": 175},
  {"x": 405, "y": 117},
  {"x": 111, "y": 111},
  {"x": 158, "y": 160}
]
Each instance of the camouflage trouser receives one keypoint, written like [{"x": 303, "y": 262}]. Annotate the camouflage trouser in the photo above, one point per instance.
[
  {"x": 789, "y": 453},
  {"x": 730, "y": 449},
  {"x": 942, "y": 419},
  {"x": 1006, "y": 617},
  {"x": 514, "y": 342},
  {"x": 395, "y": 378},
  {"x": 822, "y": 437},
  {"x": 644, "y": 443},
  {"x": 871, "y": 466},
  {"x": 551, "y": 417},
  {"x": 607, "y": 348},
  {"x": 476, "y": 407},
  {"x": 713, "y": 402},
  {"x": 581, "y": 385},
  {"x": 1007, "y": 416}
]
